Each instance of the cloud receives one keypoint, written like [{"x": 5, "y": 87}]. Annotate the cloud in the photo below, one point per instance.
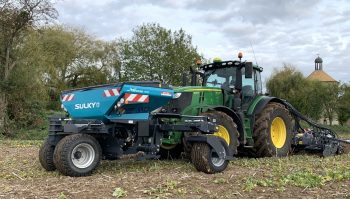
[{"x": 280, "y": 31}]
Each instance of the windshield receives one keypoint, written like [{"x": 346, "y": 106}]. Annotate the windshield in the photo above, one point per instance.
[{"x": 220, "y": 78}]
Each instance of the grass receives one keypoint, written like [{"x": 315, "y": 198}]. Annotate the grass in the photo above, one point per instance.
[
  {"x": 300, "y": 170},
  {"x": 178, "y": 179}
]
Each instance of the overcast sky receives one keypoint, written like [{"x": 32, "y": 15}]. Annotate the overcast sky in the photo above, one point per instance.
[{"x": 280, "y": 31}]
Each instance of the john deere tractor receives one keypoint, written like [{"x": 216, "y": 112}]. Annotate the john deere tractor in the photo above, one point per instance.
[{"x": 231, "y": 94}]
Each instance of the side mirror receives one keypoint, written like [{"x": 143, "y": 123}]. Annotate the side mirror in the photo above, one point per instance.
[
  {"x": 193, "y": 76},
  {"x": 192, "y": 70},
  {"x": 248, "y": 70},
  {"x": 238, "y": 84}
]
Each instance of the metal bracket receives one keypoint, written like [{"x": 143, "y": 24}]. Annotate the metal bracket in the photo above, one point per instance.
[{"x": 217, "y": 143}]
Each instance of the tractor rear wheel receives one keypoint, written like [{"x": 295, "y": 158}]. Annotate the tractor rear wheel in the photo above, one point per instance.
[
  {"x": 46, "y": 156},
  {"x": 272, "y": 131},
  {"x": 77, "y": 155}
]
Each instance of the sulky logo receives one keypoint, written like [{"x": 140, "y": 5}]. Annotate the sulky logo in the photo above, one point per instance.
[{"x": 90, "y": 105}]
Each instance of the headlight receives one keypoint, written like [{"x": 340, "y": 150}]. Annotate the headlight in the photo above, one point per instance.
[
  {"x": 120, "y": 103},
  {"x": 177, "y": 95}
]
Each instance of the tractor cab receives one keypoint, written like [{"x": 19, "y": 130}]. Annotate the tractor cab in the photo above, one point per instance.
[{"x": 240, "y": 81}]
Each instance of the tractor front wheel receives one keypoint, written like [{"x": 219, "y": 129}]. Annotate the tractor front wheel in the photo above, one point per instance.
[
  {"x": 272, "y": 131},
  {"x": 205, "y": 159},
  {"x": 77, "y": 155}
]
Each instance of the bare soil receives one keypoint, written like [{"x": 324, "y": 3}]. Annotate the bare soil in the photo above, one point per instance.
[{"x": 21, "y": 176}]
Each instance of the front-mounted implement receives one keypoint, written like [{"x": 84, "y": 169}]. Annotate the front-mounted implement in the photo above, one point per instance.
[{"x": 119, "y": 121}]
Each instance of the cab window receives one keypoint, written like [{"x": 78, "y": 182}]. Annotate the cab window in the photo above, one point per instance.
[
  {"x": 220, "y": 78},
  {"x": 258, "y": 83}
]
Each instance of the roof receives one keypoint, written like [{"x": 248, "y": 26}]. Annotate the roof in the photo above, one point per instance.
[
  {"x": 321, "y": 76},
  {"x": 225, "y": 64}
]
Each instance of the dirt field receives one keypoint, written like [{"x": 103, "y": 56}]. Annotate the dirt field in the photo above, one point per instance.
[{"x": 21, "y": 176}]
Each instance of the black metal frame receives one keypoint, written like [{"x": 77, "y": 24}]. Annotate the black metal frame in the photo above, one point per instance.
[
  {"x": 148, "y": 134},
  {"x": 322, "y": 139}
]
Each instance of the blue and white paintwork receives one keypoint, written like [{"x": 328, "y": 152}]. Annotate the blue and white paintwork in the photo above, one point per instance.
[{"x": 92, "y": 104}]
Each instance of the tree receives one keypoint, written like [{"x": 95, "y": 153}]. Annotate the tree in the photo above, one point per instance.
[
  {"x": 155, "y": 53},
  {"x": 15, "y": 19},
  {"x": 343, "y": 109},
  {"x": 290, "y": 84},
  {"x": 312, "y": 98},
  {"x": 71, "y": 58},
  {"x": 49, "y": 60},
  {"x": 330, "y": 99}
]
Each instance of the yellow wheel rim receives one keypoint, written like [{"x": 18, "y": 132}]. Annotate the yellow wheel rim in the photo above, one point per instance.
[
  {"x": 278, "y": 132},
  {"x": 223, "y": 133}
]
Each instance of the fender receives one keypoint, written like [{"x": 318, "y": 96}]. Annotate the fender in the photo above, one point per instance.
[
  {"x": 258, "y": 104},
  {"x": 215, "y": 143},
  {"x": 256, "y": 108}
]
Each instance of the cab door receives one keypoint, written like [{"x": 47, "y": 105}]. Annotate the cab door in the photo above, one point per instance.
[{"x": 248, "y": 90}]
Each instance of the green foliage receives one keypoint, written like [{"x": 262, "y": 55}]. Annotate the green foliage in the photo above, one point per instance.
[
  {"x": 342, "y": 130},
  {"x": 290, "y": 84},
  {"x": 164, "y": 189},
  {"x": 311, "y": 93},
  {"x": 17, "y": 18},
  {"x": 71, "y": 59},
  {"x": 312, "y": 98},
  {"x": 343, "y": 109},
  {"x": 25, "y": 107},
  {"x": 304, "y": 179},
  {"x": 49, "y": 60},
  {"x": 155, "y": 53},
  {"x": 119, "y": 192},
  {"x": 62, "y": 196},
  {"x": 330, "y": 99}
]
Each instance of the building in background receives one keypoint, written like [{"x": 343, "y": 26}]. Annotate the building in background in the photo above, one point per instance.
[{"x": 320, "y": 75}]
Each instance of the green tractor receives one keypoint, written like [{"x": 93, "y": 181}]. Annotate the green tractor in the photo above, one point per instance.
[{"x": 248, "y": 121}]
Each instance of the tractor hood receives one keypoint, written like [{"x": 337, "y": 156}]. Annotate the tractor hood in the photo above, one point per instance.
[{"x": 188, "y": 100}]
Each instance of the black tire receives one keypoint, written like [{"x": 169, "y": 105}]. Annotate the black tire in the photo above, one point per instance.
[
  {"x": 262, "y": 135},
  {"x": 83, "y": 146},
  {"x": 226, "y": 121},
  {"x": 205, "y": 159},
  {"x": 46, "y": 156}
]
